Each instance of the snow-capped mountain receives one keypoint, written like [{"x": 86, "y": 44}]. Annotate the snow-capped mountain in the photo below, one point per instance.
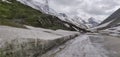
[
  {"x": 93, "y": 22},
  {"x": 78, "y": 21},
  {"x": 41, "y": 5}
]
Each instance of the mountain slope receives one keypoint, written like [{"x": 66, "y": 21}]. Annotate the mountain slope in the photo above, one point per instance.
[
  {"x": 114, "y": 15},
  {"x": 16, "y": 14},
  {"x": 43, "y": 6},
  {"x": 112, "y": 21}
]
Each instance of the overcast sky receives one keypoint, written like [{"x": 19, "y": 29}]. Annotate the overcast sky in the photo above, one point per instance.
[{"x": 99, "y": 9}]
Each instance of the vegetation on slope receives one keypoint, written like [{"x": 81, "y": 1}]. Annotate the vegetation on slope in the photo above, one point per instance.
[{"x": 16, "y": 14}]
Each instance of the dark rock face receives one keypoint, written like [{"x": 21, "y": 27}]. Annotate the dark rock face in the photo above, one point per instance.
[
  {"x": 114, "y": 20},
  {"x": 116, "y": 14}
]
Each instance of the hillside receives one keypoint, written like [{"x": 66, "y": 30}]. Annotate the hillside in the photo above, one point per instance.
[{"x": 13, "y": 13}]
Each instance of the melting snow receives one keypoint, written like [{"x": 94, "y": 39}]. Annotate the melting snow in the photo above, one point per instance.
[{"x": 82, "y": 46}]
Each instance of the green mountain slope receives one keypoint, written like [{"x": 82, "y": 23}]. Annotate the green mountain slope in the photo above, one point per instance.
[{"x": 16, "y": 14}]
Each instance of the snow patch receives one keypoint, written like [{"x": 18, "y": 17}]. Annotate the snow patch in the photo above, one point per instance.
[{"x": 6, "y": 1}]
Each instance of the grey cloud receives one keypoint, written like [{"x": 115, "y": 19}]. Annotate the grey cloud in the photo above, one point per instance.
[
  {"x": 67, "y": 2},
  {"x": 89, "y": 8},
  {"x": 110, "y": 2},
  {"x": 100, "y": 7}
]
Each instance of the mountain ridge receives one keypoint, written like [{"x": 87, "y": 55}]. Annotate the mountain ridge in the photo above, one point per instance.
[{"x": 16, "y": 14}]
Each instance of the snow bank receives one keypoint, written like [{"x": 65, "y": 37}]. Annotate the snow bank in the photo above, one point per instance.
[
  {"x": 114, "y": 31},
  {"x": 32, "y": 41}
]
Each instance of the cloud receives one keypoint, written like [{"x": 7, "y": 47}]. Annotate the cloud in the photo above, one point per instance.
[
  {"x": 99, "y": 9},
  {"x": 66, "y": 2}
]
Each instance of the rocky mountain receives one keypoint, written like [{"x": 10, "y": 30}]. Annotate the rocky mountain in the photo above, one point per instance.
[
  {"x": 41, "y": 5},
  {"x": 113, "y": 18},
  {"x": 114, "y": 15},
  {"x": 78, "y": 21},
  {"x": 40, "y": 15},
  {"x": 44, "y": 7},
  {"x": 93, "y": 22},
  {"x": 112, "y": 21},
  {"x": 14, "y": 13}
]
